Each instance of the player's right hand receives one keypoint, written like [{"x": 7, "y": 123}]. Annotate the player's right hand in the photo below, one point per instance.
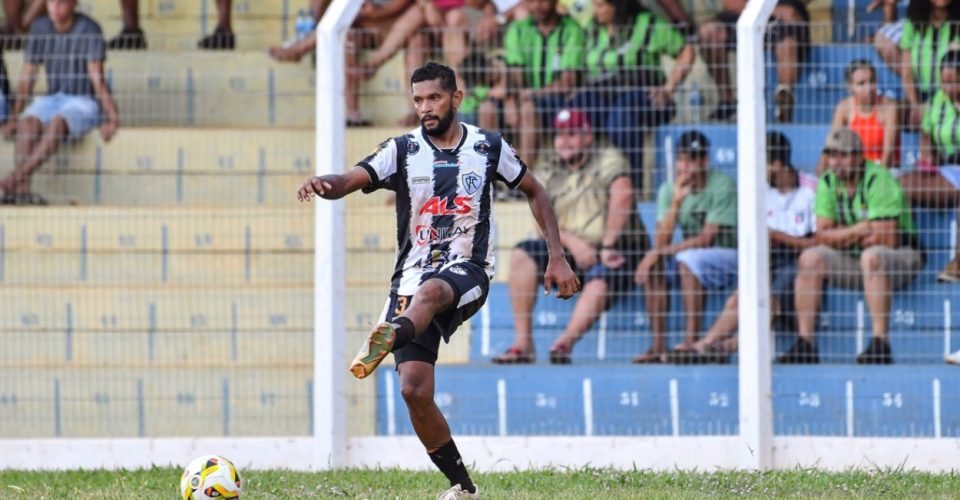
[{"x": 313, "y": 186}]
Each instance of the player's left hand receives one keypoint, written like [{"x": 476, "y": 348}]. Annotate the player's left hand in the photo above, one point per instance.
[{"x": 559, "y": 273}]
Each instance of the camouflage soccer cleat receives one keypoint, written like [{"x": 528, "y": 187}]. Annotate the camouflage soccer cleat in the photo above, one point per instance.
[{"x": 374, "y": 349}]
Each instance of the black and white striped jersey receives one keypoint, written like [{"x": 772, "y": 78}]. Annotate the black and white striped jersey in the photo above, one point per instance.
[{"x": 444, "y": 199}]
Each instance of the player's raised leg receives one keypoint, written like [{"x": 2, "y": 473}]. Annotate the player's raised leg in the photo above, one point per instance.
[{"x": 432, "y": 298}]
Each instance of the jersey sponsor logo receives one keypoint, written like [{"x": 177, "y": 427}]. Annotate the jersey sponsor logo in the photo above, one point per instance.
[
  {"x": 436, "y": 205},
  {"x": 445, "y": 164},
  {"x": 421, "y": 180},
  {"x": 482, "y": 146},
  {"x": 427, "y": 233},
  {"x": 458, "y": 270},
  {"x": 471, "y": 182}
]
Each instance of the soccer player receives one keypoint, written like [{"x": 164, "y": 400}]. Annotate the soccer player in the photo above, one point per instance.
[{"x": 442, "y": 174}]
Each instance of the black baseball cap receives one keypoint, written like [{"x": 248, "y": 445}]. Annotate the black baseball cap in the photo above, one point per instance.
[
  {"x": 778, "y": 148},
  {"x": 693, "y": 143}
]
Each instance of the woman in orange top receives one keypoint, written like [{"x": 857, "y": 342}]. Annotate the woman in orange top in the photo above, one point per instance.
[{"x": 872, "y": 116}]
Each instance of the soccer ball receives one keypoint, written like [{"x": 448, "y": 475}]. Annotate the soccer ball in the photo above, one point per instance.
[{"x": 209, "y": 476}]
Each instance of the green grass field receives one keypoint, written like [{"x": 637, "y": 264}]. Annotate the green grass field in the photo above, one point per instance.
[{"x": 572, "y": 484}]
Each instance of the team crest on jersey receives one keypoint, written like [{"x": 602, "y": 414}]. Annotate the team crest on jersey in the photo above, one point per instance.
[
  {"x": 482, "y": 146},
  {"x": 412, "y": 146},
  {"x": 471, "y": 182}
]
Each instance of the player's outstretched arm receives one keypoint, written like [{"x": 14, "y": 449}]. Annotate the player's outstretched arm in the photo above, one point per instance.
[
  {"x": 334, "y": 186},
  {"x": 558, "y": 270}
]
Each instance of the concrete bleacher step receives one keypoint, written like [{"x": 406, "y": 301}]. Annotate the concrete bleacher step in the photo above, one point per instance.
[
  {"x": 621, "y": 333},
  {"x": 203, "y": 88},
  {"x": 183, "y": 166},
  {"x": 617, "y": 399},
  {"x": 195, "y": 400}
]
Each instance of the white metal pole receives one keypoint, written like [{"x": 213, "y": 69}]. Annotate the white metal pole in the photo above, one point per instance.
[
  {"x": 329, "y": 335},
  {"x": 756, "y": 419}
]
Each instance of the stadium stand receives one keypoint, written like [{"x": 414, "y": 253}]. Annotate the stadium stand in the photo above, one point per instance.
[{"x": 176, "y": 255}]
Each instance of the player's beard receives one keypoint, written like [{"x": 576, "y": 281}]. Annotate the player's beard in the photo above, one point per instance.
[{"x": 443, "y": 124}]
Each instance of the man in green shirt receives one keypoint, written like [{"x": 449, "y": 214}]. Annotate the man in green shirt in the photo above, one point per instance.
[
  {"x": 867, "y": 241},
  {"x": 543, "y": 54},
  {"x": 704, "y": 204}
]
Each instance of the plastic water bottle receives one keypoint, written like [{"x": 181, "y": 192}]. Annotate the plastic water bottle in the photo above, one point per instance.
[
  {"x": 696, "y": 101},
  {"x": 304, "y": 24}
]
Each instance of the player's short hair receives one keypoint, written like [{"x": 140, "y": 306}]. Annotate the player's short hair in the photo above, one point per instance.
[{"x": 436, "y": 71}]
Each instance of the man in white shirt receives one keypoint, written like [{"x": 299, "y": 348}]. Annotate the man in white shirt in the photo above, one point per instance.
[{"x": 790, "y": 223}]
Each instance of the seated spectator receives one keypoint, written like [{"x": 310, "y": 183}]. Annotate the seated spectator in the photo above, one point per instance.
[
  {"x": 788, "y": 35},
  {"x": 936, "y": 180},
  {"x": 703, "y": 203},
  {"x": 543, "y": 53},
  {"x": 930, "y": 30},
  {"x": 599, "y": 228},
  {"x": 627, "y": 91},
  {"x": 131, "y": 36},
  {"x": 868, "y": 113},
  {"x": 790, "y": 219},
  {"x": 485, "y": 101},
  {"x": 71, "y": 48},
  {"x": 377, "y": 24},
  {"x": 887, "y": 39},
  {"x": 866, "y": 241}
]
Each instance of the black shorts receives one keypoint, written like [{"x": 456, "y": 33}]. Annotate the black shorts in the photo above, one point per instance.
[
  {"x": 470, "y": 286},
  {"x": 618, "y": 280}
]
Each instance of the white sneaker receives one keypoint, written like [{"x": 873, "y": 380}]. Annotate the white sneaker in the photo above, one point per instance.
[
  {"x": 457, "y": 493},
  {"x": 953, "y": 359}
]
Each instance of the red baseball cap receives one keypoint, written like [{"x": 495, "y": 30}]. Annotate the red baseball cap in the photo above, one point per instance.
[{"x": 571, "y": 119}]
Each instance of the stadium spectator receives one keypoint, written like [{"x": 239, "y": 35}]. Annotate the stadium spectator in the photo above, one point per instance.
[
  {"x": 932, "y": 26},
  {"x": 887, "y": 39},
  {"x": 388, "y": 26},
  {"x": 626, "y": 91},
  {"x": 936, "y": 180},
  {"x": 485, "y": 102},
  {"x": 870, "y": 114},
  {"x": 703, "y": 203},
  {"x": 790, "y": 223},
  {"x": 590, "y": 188},
  {"x": 71, "y": 48},
  {"x": 866, "y": 240},
  {"x": 132, "y": 37},
  {"x": 544, "y": 53},
  {"x": 788, "y": 35}
]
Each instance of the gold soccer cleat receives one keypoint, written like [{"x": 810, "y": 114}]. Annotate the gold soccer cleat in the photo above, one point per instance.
[{"x": 374, "y": 349}]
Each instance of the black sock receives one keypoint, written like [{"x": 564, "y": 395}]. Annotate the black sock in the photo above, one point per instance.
[
  {"x": 448, "y": 460},
  {"x": 405, "y": 331}
]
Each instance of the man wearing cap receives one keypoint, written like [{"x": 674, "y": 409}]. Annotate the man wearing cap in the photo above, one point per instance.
[
  {"x": 593, "y": 197},
  {"x": 866, "y": 240},
  {"x": 790, "y": 223},
  {"x": 704, "y": 204}
]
